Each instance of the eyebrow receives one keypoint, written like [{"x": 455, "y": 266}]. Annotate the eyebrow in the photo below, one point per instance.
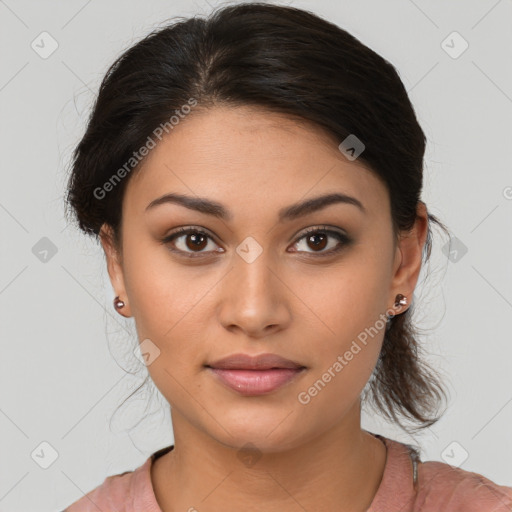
[{"x": 288, "y": 213}]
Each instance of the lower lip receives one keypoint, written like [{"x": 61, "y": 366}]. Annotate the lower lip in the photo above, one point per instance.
[{"x": 256, "y": 382}]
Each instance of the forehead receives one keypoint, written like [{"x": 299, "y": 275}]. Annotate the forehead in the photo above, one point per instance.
[{"x": 239, "y": 155}]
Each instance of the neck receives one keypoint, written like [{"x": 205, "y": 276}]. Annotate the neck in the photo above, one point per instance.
[{"x": 338, "y": 470}]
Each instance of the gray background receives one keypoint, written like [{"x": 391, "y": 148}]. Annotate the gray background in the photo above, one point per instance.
[{"x": 63, "y": 346}]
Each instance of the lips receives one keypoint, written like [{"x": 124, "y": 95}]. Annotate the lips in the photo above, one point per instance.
[
  {"x": 252, "y": 376},
  {"x": 260, "y": 362}
]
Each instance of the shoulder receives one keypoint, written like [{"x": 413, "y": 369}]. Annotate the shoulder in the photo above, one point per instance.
[
  {"x": 414, "y": 485},
  {"x": 445, "y": 487},
  {"x": 131, "y": 491},
  {"x": 117, "y": 492}
]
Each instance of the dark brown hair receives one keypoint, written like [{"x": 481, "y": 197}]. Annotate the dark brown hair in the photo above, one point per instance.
[{"x": 288, "y": 61}]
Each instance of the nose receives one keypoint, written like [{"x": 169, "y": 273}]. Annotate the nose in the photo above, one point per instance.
[{"x": 254, "y": 299}]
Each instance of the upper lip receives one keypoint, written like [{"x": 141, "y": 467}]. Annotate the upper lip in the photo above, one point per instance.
[{"x": 259, "y": 362}]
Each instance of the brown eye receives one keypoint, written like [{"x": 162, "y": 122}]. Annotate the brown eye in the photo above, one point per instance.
[
  {"x": 316, "y": 240},
  {"x": 195, "y": 241},
  {"x": 190, "y": 242}
]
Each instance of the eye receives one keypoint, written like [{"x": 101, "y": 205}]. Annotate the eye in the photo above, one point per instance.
[
  {"x": 318, "y": 239},
  {"x": 190, "y": 242},
  {"x": 194, "y": 242}
]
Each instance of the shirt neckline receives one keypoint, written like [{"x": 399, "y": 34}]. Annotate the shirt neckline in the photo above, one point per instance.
[{"x": 400, "y": 467}]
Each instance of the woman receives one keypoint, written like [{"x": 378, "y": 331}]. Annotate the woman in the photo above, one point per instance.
[{"x": 255, "y": 182}]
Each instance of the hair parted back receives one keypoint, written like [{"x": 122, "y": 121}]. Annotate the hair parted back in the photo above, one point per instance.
[{"x": 289, "y": 61}]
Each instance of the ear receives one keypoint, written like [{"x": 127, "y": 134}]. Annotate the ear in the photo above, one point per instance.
[
  {"x": 114, "y": 266},
  {"x": 408, "y": 259}
]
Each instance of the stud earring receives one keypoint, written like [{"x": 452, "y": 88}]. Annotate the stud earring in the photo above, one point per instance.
[
  {"x": 118, "y": 303},
  {"x": 400, "y": 300}
]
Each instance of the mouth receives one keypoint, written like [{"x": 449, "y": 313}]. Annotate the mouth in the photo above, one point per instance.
[
  {"x": 253, "y": 376},
  {"x": 256, "y": 382}
]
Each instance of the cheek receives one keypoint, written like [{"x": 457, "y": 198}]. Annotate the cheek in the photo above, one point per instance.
[
  {"x": 341, "y": 372},
  {"x": 169, "y": 303},
  {"x": 350, "y": 304},
  {"x": 160, "y": 292},
  {"x": 348, "y": 301}
]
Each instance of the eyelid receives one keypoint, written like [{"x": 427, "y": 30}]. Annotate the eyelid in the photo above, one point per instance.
[
  {"x": 325, "y": 228},
  {"x": 182, "y": 230}
]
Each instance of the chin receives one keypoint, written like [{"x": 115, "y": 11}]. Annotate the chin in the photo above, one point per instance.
[
  {"x": 255, "y": 444},
  {"x": 267, "y": 434}
]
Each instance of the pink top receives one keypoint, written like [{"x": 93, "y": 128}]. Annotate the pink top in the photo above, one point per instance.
[{"x": 408, "y": 485}]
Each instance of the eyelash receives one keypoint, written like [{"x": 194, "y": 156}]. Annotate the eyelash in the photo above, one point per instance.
[{"x": 342, "y": 238}]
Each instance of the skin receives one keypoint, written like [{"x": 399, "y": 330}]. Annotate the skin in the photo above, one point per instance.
[{"x": 297, "y": 304}]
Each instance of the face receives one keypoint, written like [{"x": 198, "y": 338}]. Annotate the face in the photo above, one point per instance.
[{"x": 303, "y": 283}]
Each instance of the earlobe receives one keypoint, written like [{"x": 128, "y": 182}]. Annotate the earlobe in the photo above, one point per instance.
[{"x": 115, "y": 269}]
